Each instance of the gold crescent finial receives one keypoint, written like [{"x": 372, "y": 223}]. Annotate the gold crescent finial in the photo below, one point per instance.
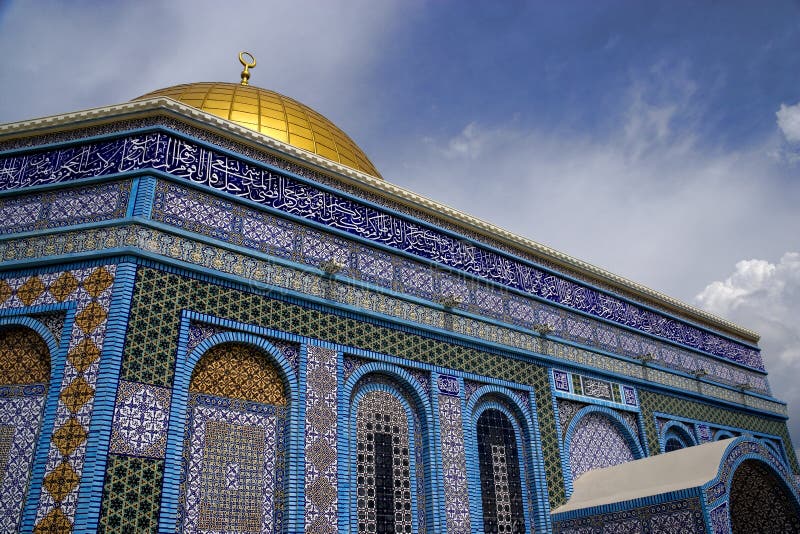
[{"x": 248, "y": 63}]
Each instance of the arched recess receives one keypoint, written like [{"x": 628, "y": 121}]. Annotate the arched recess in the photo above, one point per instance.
[
  {"x": 761, "y": 501},
  {"x": 675, "y": 436},
  {"x": 390, "y": 452},
  {"x": 598, "y": 437},
  {"x": 25, "y": 373},
  {"x": 723, "y": 434},
  {"x": 228, "y": 446},
  {"x": 499, "y": 468}
]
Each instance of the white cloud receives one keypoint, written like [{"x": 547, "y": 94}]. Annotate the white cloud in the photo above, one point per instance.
[
  {"x": 750, "y": 276},
  {"x": 65, "y": 56},
  {"x": 645, "y": 201},
  {"x": 789, "y": 122},
  {"x": 765, "y": 296}
]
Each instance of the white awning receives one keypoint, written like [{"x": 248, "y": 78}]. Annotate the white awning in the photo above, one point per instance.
[{"x": 663, "y": 473}]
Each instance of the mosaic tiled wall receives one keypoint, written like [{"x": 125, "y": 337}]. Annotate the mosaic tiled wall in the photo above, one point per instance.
[
  {"x": 684, "y": 516},
  {"x": 234, "y": 451},
  {"x": 263, "y": 271},
  {"x": 596, "y": 443},
  {"x": 234, "y": 467},
  {"x": 24, "y": 374},
  {"x": 454, "y": 465},
  {"x": 152, "y": 341},
  {"x": 241, "y": 225},
  {"x": 90, "y": 290},
  {"x": 321, "y": 505},
  {"x": 255, "y": 154},
  {"x": 384, "y": 438},
  {"x": 64, "y": 207},
  {"x": 681, "y": 407},
  {"x": 188, "y": 160}
]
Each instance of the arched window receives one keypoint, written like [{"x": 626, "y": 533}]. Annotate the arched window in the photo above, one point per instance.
[
  {"x": 677, "y": 436},
  {"x": 501, "y": 484},
  {"x": 761, "y": 502},
  {"x": 24, "y": 376},
  {"x": 384, "y": 474},
  {"x": 673, "y": 444},
  {"x": 235, "y": 450},
  {"x": 596, "y": 441}
]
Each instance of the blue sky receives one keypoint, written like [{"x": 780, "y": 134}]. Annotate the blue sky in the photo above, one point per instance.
[{"x": 659, "y": 140}]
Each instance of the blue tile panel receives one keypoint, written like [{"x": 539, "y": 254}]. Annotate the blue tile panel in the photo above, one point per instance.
[
  {"x": 215, "y": 169},
  {"x": 237, "y": 224},
  {"x": 680, "y": 515},
  {"x": 20, "y": 420},
  {"x": 579, "y": 387},
  {"x": 64, "y": 207}
]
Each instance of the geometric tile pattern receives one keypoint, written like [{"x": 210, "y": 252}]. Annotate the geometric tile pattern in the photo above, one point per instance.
[
  {"x": 566, "y": 411},
  {"x": 321, "y": 504},
  {"x": 64, "y": 207},
  {"x": 682, "y": 516},
  {"x": 188, "y": 250},
  {"x": 454, "y": 465},
  {"x": 24, "y": 357},
  {"x": 231, "y": 483},
  {"x": 383, "y": 475},
  {"x": 596, "y": 442},
  {"x": 131, "y": 494},
  {"x": 90, "y": 289},
  {"x": 501, "y": 489},
  {"x": 163, "y": 152},
  {"x": 54, "y": 322},
  {"x": 20, "y": 421},
  {"x": 257, "y": 155},
  {"x": 238, "y": 371},
  {"x": 718, "y": 517},
  {"x": 199, "y": 332},
  {"x": 209, "y": 215},
  {"x": 151, "y": 343},
  {"x": 712, "y": 415},
  {"x": 140, "y": 420},
  {"x": 759, "y": 501}
]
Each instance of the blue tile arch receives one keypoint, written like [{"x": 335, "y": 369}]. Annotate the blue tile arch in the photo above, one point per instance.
[
  {"x": 405, "y": 383},
  {"x": 58, "y": 358},
  {"x": 676, "y": 429},
  {"x": 484, "y": 398},
  {"x": 184, "y": 367},
  {"x": 621, "y": 425}
]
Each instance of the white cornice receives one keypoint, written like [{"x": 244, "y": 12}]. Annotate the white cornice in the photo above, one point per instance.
[{"x": 169, "y": 107}]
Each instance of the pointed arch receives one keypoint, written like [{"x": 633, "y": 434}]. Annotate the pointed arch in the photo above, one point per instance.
[
  {"x": 597, "y": 437},
  {"x": 26, "y": 371},
  {"x": 389, "y": 460},
  {"x": 228, "y": 446},
  {"x": 676, "y": 435},
  {"x": 500, "y": 462}
]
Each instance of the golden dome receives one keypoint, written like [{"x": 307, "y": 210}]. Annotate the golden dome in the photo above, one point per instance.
[{"x": 272, "y": 114}]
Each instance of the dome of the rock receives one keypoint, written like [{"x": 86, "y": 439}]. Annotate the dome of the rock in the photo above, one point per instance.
[{"x": 274, "y": 115}]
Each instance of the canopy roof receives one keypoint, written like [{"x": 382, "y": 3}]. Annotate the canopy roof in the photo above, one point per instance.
[{"x": 663, "y": 473}]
